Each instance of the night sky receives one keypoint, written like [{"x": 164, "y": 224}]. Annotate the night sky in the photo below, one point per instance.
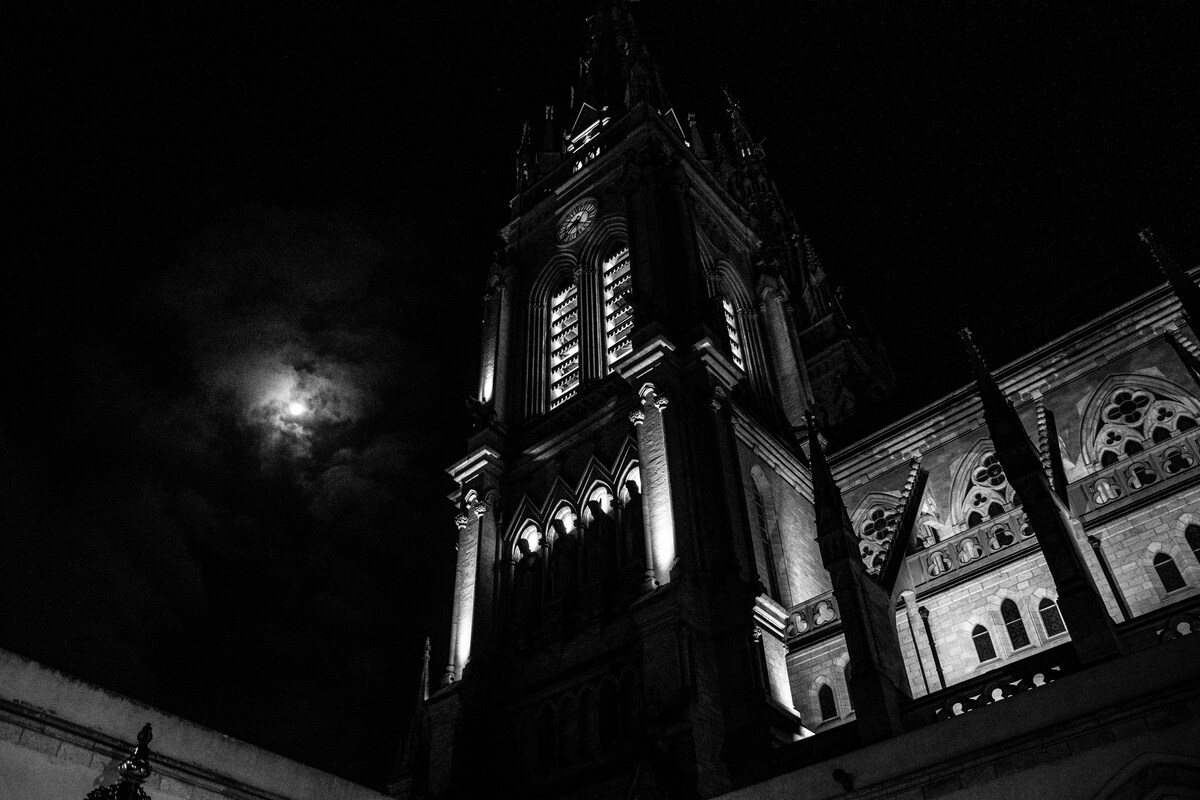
[{"x": 224, "y": 209}]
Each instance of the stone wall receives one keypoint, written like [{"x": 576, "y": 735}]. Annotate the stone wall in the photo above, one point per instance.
[{"x": 1127, "y": 728}]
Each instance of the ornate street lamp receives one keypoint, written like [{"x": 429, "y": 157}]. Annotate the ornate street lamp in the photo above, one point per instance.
[{"x": 133, "y": 771}]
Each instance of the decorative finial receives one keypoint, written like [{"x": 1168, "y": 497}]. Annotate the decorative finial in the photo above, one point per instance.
[
  {"x": 729, "y": 101},
  {"x": 978, "y": 364},
  {"x": 1147, "y": 237},
  {"x": 133, "y": 772},
  {"x": 1185, "y": 288}
]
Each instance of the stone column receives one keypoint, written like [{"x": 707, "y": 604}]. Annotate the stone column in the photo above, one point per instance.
[
  {"x": 479, "y": 634},
  {"x": 591, "y": 323},
  {"x": 787, "y": 362},
  {"x": 537, "y": 364},
  {"x": 758, "y": 366},
  {"x": 659, "y": 516},
  {"x": 464, "y": 601}
]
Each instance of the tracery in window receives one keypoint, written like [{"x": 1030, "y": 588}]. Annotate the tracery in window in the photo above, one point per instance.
[
  {"x": 735, "y": 338},
  {"x": 1134, "y": 418},
  {"x": 983, "y": 644},
  {"x": 1018, "y": 637},
  {"x": 618, "y": 313},
  {"x": 826, "y": 702},
  {"x": 988, "y": 493},
  {"x": 1192, "y": 534},
  {"x": 1168, "y": 572},
  {"x": 875, "y": 533},
  {"x": 564, "y": 345},
  {"x": 1052, "y": 620}
]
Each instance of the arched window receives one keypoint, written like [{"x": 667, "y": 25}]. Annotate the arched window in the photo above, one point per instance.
[
  {"x": 588, "y": 739},
  {"x": 601, "y": 496},
  {"x": 875, "y": 533},
  {"x": 631, "y": 703},
  {"x": 568, "y": 730},
  {"x": 618, "y": 313},
  {"x": 983, "y": 644},
  {"x": 1052, "y": 620},
  {"x": 988, "y": 494},
  {"x": 1168, "y": 572},
  {"x": 849, "y": 693},
  {"x": 1137, "y": 415},
  {"x": 827, "y": 703},
  {"x": 564, "y": 345},
  {"x": 545, "y": 734},
  {"x": 610, "y": 720},
  {"x": 1192, "y": 534},
  {"x": 633, "y": 475},
  {"x": 735, "y": 338},
  {"x": 531, "y": 536},
  {"x": 762, "y": 527},
  {"x": 1018, "y": 637}
]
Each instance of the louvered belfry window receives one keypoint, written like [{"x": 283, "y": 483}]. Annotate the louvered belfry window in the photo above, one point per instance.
[
  {"x": 735, "y": 340},
  {"x": 618, "y": 314},
  {"x": 564, "y": 345}
]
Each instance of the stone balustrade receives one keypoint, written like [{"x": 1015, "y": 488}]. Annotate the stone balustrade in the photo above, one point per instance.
[
  {"x": 1111, "y": 490},
  {"x": 973, "y": 548},
  {"x": 812, "y": 619}
]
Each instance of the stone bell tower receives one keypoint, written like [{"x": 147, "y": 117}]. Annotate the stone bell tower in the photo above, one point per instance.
[{"x": 623, "y": 574}]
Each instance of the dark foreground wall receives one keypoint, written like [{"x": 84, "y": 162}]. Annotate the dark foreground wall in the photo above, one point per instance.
[{"x": 60, "y": 738}]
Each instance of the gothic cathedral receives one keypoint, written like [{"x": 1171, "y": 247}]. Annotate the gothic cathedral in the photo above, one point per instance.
[{"x": 666, "y": 588}]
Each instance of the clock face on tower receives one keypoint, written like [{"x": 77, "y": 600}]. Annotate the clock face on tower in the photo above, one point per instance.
[{"x": 576, "y": 221}]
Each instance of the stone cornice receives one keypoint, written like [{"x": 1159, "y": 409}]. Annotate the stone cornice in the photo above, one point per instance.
[
  {"x": 485, "y": 458},
  {"x": 719, "y": 365},
  {"x": 1122, "y": 330},
  {"x": 768, "y": 448}
]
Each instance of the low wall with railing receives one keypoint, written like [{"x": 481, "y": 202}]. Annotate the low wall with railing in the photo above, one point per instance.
[{"x": 60, "y": 738}]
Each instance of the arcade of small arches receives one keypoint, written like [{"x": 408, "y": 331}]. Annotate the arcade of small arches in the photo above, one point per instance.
[
  {"x": 581, "y": 725},
  {"x": 579, "y": 557}
]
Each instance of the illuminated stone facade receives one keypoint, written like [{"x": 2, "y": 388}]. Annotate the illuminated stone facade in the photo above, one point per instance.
[{"x": 660, "y": 585}]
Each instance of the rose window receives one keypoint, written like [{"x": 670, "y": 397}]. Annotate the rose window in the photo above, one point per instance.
[
  {"x": 989, "y": 472},
  {"x": 1127, "y": 406},
  {"x": 1134, "y": 419},
  {"x": 875, "y": 536}
]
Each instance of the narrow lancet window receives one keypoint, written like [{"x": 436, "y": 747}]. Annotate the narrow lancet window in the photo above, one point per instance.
[
  {"x": 735, "y": 339},
  {"x": 1192, "y": 534},
  {"x": 827, "y": 703},
  {"x": 1168, "y": 572},
  {"x": 618, "y": 314},
  {"x": 983, "y": 644},
  {"x": 1018, "y": 637},
  {"x": 1052, "y": 619},
  {"x": 564, "y": 345}
]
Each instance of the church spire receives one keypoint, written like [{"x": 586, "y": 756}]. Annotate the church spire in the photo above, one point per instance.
[
  {"x": 618, "y": 73},
  {"x": 1091, "y": 627},
  {"x": 878, "y": 681},
  {"x": 412, "y": 765},
  {"x": 1185, "y": 288}
]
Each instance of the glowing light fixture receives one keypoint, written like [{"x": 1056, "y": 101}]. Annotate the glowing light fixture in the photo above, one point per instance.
[{"x": 296, "y": 408}]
